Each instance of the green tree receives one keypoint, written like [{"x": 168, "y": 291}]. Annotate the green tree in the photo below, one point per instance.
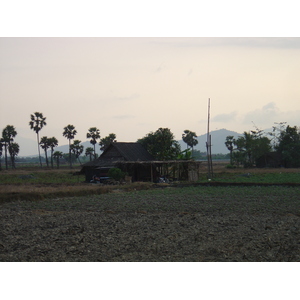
[
  {"x": 229, "y": 143},
  {"x": 13, "y": 149},
  {"x": 89, "y": 151},
  {"x": 53, "y": 142},
  {"x": 289, "y": 146},
  {"x": 77, "y": 149},
  {"x": 161, "y": 144},
  {"x": 105, "y": 142},
  {"x": 190, "y": 138},
  {"x": 69, "y": 133},
  {"x": 250, "y": 147},
  {"x": 44, "y": 143},
  {"x": 8, "y": 135},
  {"x": 37, "y": 122},
  {"x": 57, "y": 155},
  {"x": 94, "y": 134}
]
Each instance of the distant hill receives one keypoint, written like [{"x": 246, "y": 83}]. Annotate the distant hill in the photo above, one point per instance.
[{"x": 218, "y": 138}]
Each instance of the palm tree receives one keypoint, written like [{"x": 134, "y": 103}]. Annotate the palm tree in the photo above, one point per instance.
[
  {"x": 13, "y": 149},
  {"x": 57, "y": 155},
  {"x": 77, "y": 149},
  {"x": 45, "y": 145},
  {"x": 89, "y": 151},
  {"x": 190, "y": 138},
  {"x": 8, "y": 134},
  {"x": 229, "y": 144},
  {"x": 94, "y": 134},
  {"x": 36, "y": 124},
  {"x": 53, "y": 142},
  {"x": 69, "y": 133}
]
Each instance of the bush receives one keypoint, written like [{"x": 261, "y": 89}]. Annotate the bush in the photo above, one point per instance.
[
  {"x": 230, "y": 166},
  {"x": 116, "y": 174}
]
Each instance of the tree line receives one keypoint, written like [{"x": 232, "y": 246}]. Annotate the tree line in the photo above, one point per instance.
[
  {"x": 161, "y": 143},
  {"x": 255, "y": 147}
]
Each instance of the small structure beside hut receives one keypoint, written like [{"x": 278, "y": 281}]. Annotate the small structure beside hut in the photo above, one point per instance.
[{"x": 139, "y": 164}]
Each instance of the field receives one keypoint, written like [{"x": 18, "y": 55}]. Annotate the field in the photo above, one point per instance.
[{"x": 65, "y": 219}]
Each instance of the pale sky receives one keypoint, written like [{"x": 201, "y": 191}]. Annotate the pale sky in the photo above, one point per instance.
[{"x": 132, "y": 86}]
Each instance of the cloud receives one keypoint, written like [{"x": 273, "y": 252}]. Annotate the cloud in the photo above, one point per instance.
[
  {"x": 225, "y": 118},
  {"x": 269, "y": 114}
]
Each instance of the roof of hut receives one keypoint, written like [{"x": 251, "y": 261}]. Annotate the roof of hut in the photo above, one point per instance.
[{"x": 122, "y": 151}]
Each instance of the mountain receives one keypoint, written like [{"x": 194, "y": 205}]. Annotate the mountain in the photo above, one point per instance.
[{"x": 218, "y": 138}]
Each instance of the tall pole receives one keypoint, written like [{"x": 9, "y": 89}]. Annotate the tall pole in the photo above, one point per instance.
[{"x": 208, "y": 145}]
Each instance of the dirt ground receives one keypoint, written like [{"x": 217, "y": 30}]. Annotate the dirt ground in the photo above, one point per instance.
[{"x": 138, "y": 227}]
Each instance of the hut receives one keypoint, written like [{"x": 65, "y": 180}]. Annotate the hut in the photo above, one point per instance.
[
  {"x": 115, "y": 156},
  {"x": 139, "y": 164}
]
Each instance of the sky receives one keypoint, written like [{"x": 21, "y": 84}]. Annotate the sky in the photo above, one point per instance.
[{"x": 131, "y": 86}]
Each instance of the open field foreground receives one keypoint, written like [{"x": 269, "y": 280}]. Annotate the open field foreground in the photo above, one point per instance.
[{"x": 165, "y": 224}]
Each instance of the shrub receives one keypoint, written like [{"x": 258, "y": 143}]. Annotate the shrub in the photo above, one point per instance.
[{"x": 116, "y": 174}]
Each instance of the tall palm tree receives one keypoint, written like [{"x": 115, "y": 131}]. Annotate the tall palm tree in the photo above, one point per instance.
[
  {"x": 190, "y": 138},
  {"x": 94, "y": 134},
  {"x": 13, "y": 149},
  {"x": 89, "y": 151},
  {"x": 57, "y": 155},
  {"x": 45, "y": 145},
  {"x": 38, "y": 121},
  {"x": 69, "y": 133},
  {"x": 53, "y": 142},
  {"x": 8, "y": 134},
  {"x": 77, "y": 149}
]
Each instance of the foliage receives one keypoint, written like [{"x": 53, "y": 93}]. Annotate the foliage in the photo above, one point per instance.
[
  {"x": 69, "y": 133},
  {"x": 116, "y": 174},
  {"x": 190, "y": 138},
  {"x": 161, "y": 144},
  {"x": 77, "y": 149},
  {"x": 13, "y": 150},
  {"x": 53, "y": 142},
  {"x": 89, "y": 151},
  {"x": 8, "y": 135},
  {"x": 37, "y": 122},
  {"x": 105, "y": 142},
  {"x": 185, "y": 155},
  {"x": 45, "y": 145},
  {"x": 57, "y": 155},
  {"x": 229, "y": 143},
  {"x": 289, "y": 146},
  {"x": 94, "y": 134},
  {"x": 246, "y": 149}
]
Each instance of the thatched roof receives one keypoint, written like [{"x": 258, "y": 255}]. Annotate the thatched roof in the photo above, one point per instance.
[{"x": 121, "y": 152}]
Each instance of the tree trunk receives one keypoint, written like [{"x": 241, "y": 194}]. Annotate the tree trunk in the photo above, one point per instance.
[
  {"x": 38, "y": 142},
  {"x": 46, "y": 156},
  {"x": 52, "y": 158},
  {"x": 6, "y": 164},
  {"x": 70, "y": 158}
]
